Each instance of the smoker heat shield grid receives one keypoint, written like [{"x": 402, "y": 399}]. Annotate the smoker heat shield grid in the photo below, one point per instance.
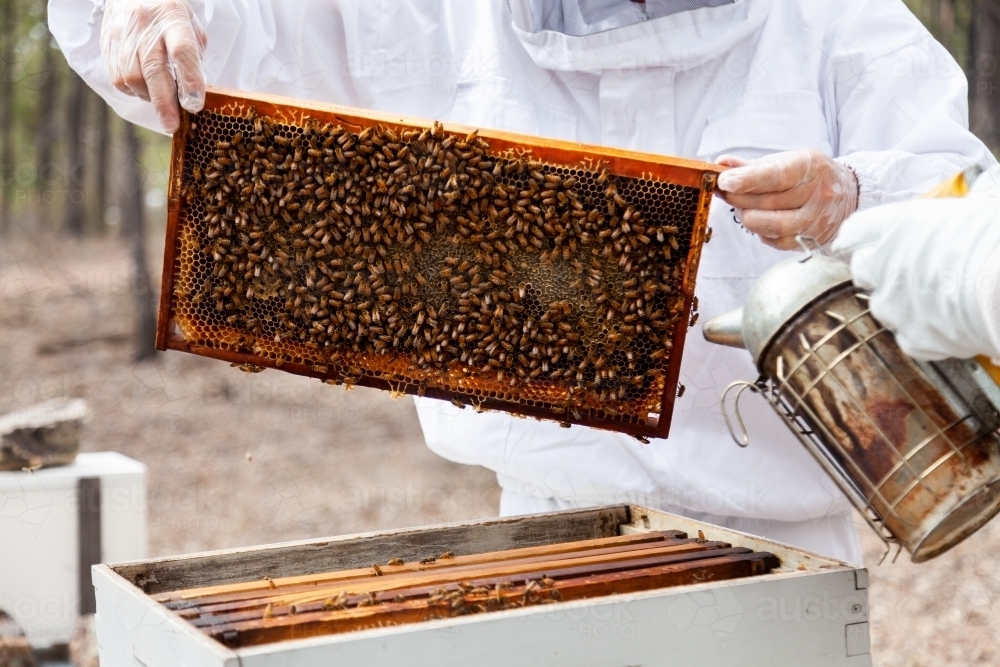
[{"x": 499, "y": 271}]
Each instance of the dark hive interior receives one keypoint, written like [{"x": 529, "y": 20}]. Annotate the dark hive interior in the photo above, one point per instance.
[{"x": 423, "y": 259}]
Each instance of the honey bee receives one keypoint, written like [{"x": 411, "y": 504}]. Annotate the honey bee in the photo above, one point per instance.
[
  {"x": 376, "y": 569},
  {"x": 248, "y": 368},
  {"x": 680, "y": 391},
  {"x": 395, "y": 561},
  {"x": 446, "y": 555},
  {"x": 339, "y": 602}
]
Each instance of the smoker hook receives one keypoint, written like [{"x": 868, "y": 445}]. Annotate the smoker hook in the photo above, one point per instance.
[
  {"x": 888, "y": 548},
  {"x": 743, "y": 385},
  {"x": 809, "y": 245}
]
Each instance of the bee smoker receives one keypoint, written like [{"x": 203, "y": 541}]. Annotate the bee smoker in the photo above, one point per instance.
[{"x": 914, "y": 446}]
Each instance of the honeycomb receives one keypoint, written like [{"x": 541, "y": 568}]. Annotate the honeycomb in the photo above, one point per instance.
[{"x": 426, "y": 262}]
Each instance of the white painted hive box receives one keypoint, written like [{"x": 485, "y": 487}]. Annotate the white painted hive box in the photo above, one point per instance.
[
  {"x": 810, "y": 611},
  {"x": 42, "y": 523}
]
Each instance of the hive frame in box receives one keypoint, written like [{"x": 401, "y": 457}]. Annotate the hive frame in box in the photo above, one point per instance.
[
  {"x": 693, "y": 174},
  {"x": 811, "y": 611}
]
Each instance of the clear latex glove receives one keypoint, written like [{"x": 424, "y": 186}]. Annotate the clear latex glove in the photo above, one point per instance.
[
  {"x": 932, "y": 267},
  {"x": 784, "y": 195},
  {"x": 153, "y": 49}
]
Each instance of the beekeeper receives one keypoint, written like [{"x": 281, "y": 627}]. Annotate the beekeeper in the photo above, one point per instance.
[
  {"x": 832, "y": 106},
  {"x": 933, "y": 270}
]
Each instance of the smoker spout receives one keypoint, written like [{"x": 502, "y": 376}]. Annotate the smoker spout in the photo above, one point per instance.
[{"x": 726, "y": 329}]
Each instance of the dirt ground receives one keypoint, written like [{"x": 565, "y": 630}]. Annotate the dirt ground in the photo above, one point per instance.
[{"x": 238, "y": 459}]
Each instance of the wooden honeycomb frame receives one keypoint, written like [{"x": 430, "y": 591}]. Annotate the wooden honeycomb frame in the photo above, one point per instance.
[{"x": 647, "y": 416}]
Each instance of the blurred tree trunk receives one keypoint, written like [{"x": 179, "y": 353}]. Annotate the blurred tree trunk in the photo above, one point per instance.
[
  {"x": 946, "y": 15},
  {"x": 133, "y": 215},
  {"x": 984, "y": 84},
  {"x": 8, "y": 25},
  {"x": 104, "y": 139},
  {"x": 48, "y": 131},
  {"x": 76, "y": 116}
]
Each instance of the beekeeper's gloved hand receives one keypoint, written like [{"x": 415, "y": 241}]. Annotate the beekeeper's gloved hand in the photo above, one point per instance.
[
  {"x": 932, "y": 266},
  {"x": 784, "y": 195},
  {"x": 153, "y": 49}
]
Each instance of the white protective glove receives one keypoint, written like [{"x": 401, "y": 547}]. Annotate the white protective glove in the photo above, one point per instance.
[
  {"x": 785, "y": 195},
  {"x": 932, "y": 266},
  {"x": 153, "y": 49}
]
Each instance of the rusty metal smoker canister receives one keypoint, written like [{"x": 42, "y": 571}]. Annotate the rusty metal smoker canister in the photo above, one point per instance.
[{"x": 914, "y": 446}]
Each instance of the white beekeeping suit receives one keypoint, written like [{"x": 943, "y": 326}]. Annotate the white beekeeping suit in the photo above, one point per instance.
[
  {"x": 860, "y": 81},
  {"x": 933, "y": 270}
]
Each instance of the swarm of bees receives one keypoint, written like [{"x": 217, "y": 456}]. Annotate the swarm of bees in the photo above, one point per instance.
[{"x": 425, "y": 246}]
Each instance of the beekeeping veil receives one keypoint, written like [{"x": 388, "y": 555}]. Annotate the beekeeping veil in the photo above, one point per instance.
[{"x": 587, "y": 17}]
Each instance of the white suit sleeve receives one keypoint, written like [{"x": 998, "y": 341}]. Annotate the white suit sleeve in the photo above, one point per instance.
[
  {"x": 295, "y": 49},
  {"x": 933, "y": 269},
  {"x": 902, "y": 108}
]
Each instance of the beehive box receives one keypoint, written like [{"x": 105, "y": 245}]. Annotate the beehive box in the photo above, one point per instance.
[
  {"x": 810, "y": 611},
  {"x": 49, "y": 538},
  {"x": 498, "y": 271}
]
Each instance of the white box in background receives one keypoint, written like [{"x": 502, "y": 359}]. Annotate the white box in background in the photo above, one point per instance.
[{"x": 39, "y": 537}]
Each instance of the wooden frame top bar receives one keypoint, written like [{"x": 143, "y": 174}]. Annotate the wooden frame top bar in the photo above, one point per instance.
[{"x": 622, "y": 162}]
